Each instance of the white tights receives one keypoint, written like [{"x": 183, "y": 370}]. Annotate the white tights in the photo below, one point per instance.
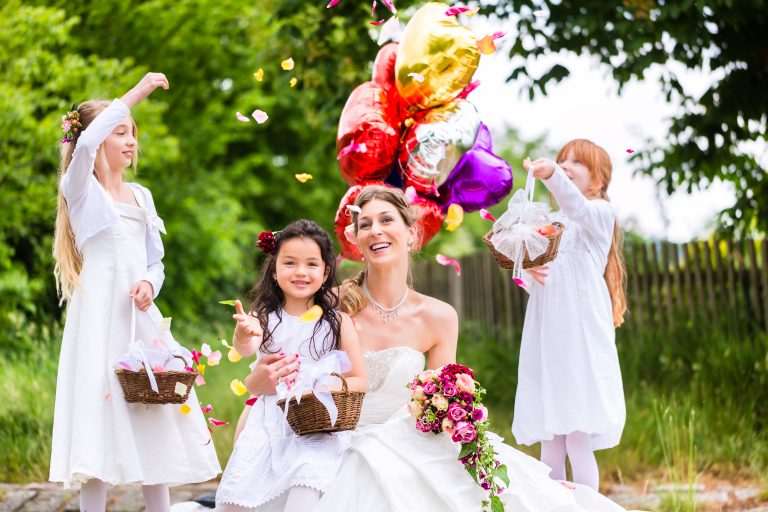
[
  {"x": 578, "y": 447},
  {"x": 93, "y": 497},
  {"x": 299, "y": 499}
]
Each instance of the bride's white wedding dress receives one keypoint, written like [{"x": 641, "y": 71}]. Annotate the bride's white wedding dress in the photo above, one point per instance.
[{"x": 392, "y": 467}]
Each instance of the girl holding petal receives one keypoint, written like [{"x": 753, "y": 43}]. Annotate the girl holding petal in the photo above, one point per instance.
[
  {"x": 569, "y": 393},
  {"x": 109, "y": 262}
]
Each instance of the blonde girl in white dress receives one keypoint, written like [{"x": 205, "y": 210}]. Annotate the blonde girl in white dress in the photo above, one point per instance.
[
  {"x": 272, "y": 468},
  {"x": 569, "y": 393},
  {"x": 108, "y": 261}
]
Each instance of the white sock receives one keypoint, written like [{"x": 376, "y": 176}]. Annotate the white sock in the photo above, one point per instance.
[
  {"x": 156, "y": 498},
  {"x": 583, "y": 463},
  {"x": 301, "y": 499},
  {"x": 553, "y": 455},
  {"x": 93, "y": 496}
]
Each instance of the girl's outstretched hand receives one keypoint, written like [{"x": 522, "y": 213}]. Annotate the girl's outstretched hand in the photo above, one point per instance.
[
  {"x": 142, "y": 293},
  {"x": 248, "y": 331},
  {"x": 144, "y": 88},
  {"x": 538, "y": 274},
  {"x": 542, "y": 167}
]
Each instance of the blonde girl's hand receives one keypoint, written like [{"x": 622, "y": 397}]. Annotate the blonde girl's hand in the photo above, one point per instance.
[
  {"x": 144, "y": 88},
  {"x": 142, "y": 293},
  {"x": 538, "y": 274},
  {"x": 542, "y": 167}
]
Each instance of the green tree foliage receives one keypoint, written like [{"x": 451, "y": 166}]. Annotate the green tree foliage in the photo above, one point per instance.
[{"x": 724, "y": 38}]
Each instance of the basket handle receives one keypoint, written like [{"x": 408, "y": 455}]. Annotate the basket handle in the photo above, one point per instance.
[
  {"x": 344, "y": 387},
  {"x": 183, "y": 359}
]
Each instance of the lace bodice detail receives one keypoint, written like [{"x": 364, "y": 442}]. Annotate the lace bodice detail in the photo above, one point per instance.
[{"x": 389, "y": 371}]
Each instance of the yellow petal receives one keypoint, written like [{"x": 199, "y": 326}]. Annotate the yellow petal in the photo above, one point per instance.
[
  {"x": 294, "y": 81},
  {"x": 454, "y": 217},
  {"x": 237, "y": 387},
  {"x": 259, "y": 75},
  {"x": 233, "y": 356},
  {"x": 312, "y": 314},
  {"x": 471, "y": 12},
  {"x": 185, "y": 409},
  {"x": 287, "y": 64},
  {"x": 201, "y": 369},
  {"x": 303, "y": 177},
  {"x": 486, "y": 45}
]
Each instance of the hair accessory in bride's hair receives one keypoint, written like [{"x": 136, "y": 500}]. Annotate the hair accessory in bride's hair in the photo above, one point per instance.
[
  {"x": 268, "y": 241},
  {"x": 70, "y": 124}
]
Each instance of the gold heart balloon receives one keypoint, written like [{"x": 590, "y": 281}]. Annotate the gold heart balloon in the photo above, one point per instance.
[{"x": 436, "y": 58}]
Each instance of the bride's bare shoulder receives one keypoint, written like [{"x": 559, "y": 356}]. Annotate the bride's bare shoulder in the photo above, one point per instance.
[{"x": 436, "y": 311}]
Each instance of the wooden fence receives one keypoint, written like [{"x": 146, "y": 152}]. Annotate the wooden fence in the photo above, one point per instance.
[{"x": 702, "y": 285}]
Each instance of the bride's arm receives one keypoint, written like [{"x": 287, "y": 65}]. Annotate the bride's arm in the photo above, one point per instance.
[
  {"x": 444, "y": 323},
  {"x": 357, "y": 377}
]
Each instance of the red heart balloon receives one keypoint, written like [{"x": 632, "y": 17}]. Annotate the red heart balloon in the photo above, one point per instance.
[
  {"x": 348, "y": 249},
  {"x": 430, "y": 218},
  {"x": 384, "y": 65}
]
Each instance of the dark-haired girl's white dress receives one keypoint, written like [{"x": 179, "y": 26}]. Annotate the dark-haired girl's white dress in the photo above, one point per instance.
[{"x": 268, "y": 458}]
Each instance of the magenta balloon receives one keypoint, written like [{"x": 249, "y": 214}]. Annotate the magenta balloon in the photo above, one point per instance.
[{"x": 480, "y": 179}]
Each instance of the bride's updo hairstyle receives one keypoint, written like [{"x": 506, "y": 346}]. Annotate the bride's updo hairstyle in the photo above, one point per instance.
[{"x": 352, "y": 298}]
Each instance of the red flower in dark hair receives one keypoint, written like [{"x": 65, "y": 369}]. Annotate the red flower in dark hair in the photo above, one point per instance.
[{"x": 267, "y": 242}]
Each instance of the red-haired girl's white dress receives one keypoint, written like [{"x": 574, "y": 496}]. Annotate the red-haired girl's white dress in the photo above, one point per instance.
[
  {"x": 268, "y": 459},
  {"x": 96, "y": 433},
  {"x": 569, "y": 377}
]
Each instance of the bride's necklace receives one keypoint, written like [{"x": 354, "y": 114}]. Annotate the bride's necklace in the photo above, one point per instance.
[{"x": 386, "y": 314}]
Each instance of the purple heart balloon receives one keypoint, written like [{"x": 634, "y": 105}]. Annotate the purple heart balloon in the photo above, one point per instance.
[{"x": 480, "y": 179}]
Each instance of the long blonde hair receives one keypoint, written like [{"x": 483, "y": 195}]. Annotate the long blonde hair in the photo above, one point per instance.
[
  {"x": 600, "y": 169},
  {"x": 352, "y": 297},
  {"x": 69, "y": 259}
]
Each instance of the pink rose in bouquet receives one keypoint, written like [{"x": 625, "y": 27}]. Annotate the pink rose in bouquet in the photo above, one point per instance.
[{"x": 447, "y": 399}]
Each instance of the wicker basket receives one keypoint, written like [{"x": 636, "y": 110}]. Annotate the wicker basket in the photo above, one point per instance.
[
  {"x": 137, "y": 389},
  {"x": 310, "y": 416},
  {"x": 546, "y": 257}
]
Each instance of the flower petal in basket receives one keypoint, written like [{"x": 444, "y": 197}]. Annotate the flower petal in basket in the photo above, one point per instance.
[
  {"x": 520, "y": 209},
  {"x": 518, "y": 240}
]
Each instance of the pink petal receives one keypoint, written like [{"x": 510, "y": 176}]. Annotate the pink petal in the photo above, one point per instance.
[
  {"x": 390, "y": 5},
  {"x": 445, "y": 260},
  {"x": 630, "y": 151},
  {"x": 498, "y": 35},
  {"x": 251, "y": 400},
  {"x": 158, "y": 368},
  {"x": 217, "y": 423},
  {"x": 205, "y": 349},
  {"x": 199, "y": 381},
  {"x": 568, "y": 485},
  {"x": 240, "y": 117},
  {"x": 196, "y": 356},
  {"x": 333, "y": 2},
  {"x": 373, "y": 9},
  {"x": 485, "y": 214},
  {"x": 126, "y": 366},
  {"x": 434, "y": 190},
  {"x": 416, "y": 77},
  {"x": 208, "y": 408},
  {"x": 260, "y": 116},
  {"x": 411, "y": 194},
  {"x": 453, "y": 11},
  {"x": 468, "y": 89},
  {"x": 214, "y": 358},
  {"x": 352, "y": 147},
  {"x": 519, "y": 282},
  {"x": 377, "y": 22},
  {"x": 209, "y": 441},
  {"x": 107, "y": 396}
]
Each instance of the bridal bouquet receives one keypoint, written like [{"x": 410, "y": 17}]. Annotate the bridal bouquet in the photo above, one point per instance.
[{"x": 448, "y": 400}]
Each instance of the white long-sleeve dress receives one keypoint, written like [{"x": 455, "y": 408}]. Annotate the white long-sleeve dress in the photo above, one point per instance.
[
  {"x": 96, "y": 433},
  {"x": 569, "y": 377}
]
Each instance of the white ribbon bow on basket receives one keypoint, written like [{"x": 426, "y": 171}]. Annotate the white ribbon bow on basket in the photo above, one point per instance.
[
  {"x": 515, "y": 233},
  {"x": 316, "y": 378}
]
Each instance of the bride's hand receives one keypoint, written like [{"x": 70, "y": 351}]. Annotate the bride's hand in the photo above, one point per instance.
[{"x": 538, "y": 274}]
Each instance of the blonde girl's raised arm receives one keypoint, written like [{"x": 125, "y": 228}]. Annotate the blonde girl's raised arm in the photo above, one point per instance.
[
  {"x": 444, "y": 323},
  {"x": 357, "y": 376}
]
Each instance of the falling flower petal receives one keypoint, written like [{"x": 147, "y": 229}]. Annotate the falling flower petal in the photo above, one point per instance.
[
  {"x": 333, "y": 2},
  {"x": 519, "y": 282},
  {"x": 468, "y": 89},
  {"x": 540, "y": 13},
  {"x": 205, "y": 349},
  {"x": 486, "y": 45},
  {"x": 354, "y": 208},
  {"x": 303, "y": 177},
  {"x": 237, "y": 387},
  {"x": 417, "y": 77},
  {"x": 411, "y": 194},
  {"x": 196, "y": 356},
  {"x": 472, "y": 12},
  {"x": 454, "y": 217},
  {"x": 352, "y": 147},
  {"x": 287, "y": 64},
  {"x": 199, "y": 381},
  {"x": 201, "y": 369},
  {"x": 379, "y": 22},
  {"x": 498, "y": 35},
  {"x": 390, "y": 31},
  {"x": 453, "y": 11},
  {"x": 233, "y": 355},
  {"x": 485, "y": 214},
  {"x": 240, "y": 117},
  {"x": 180, "y": 389},
  {"x": 227, "y": 302},
  {"x": 390, "y": 5},
  {"x": 445, "y": 260},
  {"x": 373, "y": 8},
  {"x": 630, "y": 151},
  {"x": 214, "y": 358},
  {"x": 127, "y": 366},
  {"x": 217, "y": 423},
  {"x": 259, "y": 75},
  {"x": 312, "y": 314},
  {"x": 293, "y": 81},
  {"x": 251, "y": 400},
  {"x": 260, "y": 116},
  {"x": 185, "y": 409},
  {"x": 208, "y": 408}
]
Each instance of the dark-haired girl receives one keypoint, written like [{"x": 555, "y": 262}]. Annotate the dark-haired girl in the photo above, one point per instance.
[{"x": 271, "y": 467}]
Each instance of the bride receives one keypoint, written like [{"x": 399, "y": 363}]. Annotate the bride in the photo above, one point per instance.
[{"x": 390, "y": 466}]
